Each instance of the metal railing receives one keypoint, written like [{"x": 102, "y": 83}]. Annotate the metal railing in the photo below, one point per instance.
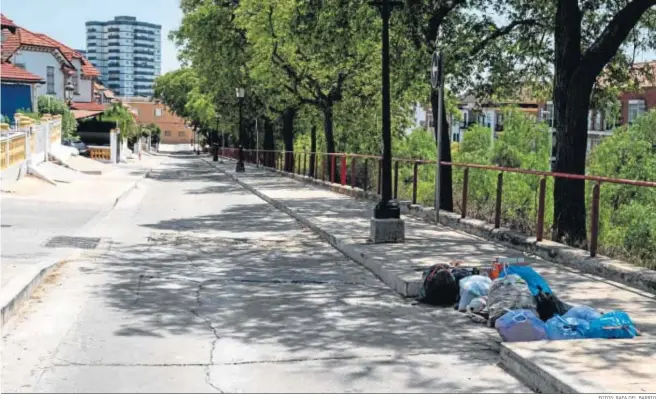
[{"x": 360, "y": 171}]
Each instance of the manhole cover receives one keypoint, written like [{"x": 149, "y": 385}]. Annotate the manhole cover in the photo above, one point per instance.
[{"x": 72, "y": 242}]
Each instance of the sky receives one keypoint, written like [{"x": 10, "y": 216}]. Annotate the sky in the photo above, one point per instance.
[{"x": 64, "y": 20}]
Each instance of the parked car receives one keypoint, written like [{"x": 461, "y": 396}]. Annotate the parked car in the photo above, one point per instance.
[{"x": 82, "y": 148}]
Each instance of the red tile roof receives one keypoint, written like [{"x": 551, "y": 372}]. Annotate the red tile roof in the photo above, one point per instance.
[
  {"x": 6, "y": 21},
  {"x": 89, "y": 106},
  {"x": 28, "y": 38},
  {"x": 12, "y": 73}
]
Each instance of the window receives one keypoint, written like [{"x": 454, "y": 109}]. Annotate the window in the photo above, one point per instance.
[
  {"x": 181, "y": 134},
  {"x": 597, "y": 121},
  {"x": 158, "y": 112},
  {"x": 50, "y": 80},
  {"x": 636, "y": 108},
  {"x": 549, "y": 114},
  {"x": 465, "y": 120},
  {"x": 76, "y": 84},
  {"x": 455, "y": 137},
  {"x": 167, "y": 133}
]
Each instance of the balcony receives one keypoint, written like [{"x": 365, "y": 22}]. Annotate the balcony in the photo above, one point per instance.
[
  {"x": 114, "y": 43},
  {"x": 113, "y": 36},
  {"x": 145, "y": 38},
  {"x": 113, "y": 29},
  {"x": 144, "y": 45}
]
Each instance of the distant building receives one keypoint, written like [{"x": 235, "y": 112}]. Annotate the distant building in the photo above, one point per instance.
[
  {"x": 53, "y": 62},
  {"x": 18, "y": 89},
  {"x": 174, "y": 128},
  {"x": 128, "y": 54}
]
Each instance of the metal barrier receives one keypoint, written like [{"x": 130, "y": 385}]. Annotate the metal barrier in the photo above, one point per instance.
[{"x": 335, "y": 167}]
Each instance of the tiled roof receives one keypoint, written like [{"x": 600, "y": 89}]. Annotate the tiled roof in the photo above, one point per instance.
[
  {"x": 12, "y": 73},
  {"x": 26, "y": 37},
  {"x": 6, "y": 21},
  {"x": 89, "y": 106}
]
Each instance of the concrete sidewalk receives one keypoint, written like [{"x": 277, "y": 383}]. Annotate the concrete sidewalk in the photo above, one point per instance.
[
  {"x": 344, "y": 222},
  {"x": 35, "y": 211}
]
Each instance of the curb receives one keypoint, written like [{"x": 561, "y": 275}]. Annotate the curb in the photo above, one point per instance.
[
  {"x": 406, "y": 287},
  {"x": 530, "y": 374},
  {"x": 601, "y": 266},
  {"x": 31, "y": 283}
]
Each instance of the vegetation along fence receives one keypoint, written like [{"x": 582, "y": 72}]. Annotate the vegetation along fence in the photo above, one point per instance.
[{"x": 494, "y": 186}]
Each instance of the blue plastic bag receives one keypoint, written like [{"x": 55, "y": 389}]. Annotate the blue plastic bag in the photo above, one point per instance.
[
  {"x": 615, "y": 324},
  {"x": 473, "y": 287},
  {"x": 520, "y": 326},
  {"x": 583, "y": 313},
  {"x": 533, "y": 279},
  {"x": 559, "y": 327}
]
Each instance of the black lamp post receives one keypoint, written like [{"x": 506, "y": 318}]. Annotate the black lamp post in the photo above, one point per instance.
[
  {"x": 68, "y": 93},
  {"x": 387, "y": 208},
  {"x": 240, "y": 162},
  {"x": 215, "y": 142}
]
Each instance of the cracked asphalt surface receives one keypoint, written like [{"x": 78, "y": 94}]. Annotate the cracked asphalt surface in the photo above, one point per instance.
[{"x": 200, "y": 286}]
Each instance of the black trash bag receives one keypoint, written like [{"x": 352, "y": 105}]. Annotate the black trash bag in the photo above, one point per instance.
[
  {"x": 440, "y": 286},
  {"x": 548, "y": 305}
]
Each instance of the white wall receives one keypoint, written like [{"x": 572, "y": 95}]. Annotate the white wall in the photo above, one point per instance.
[
  {"x": 37, "y": 63},
  {"x": 84, "y": 85}
]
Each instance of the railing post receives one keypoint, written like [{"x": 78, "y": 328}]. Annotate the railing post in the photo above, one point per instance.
[
  {"x": 497, "y": 210},
  {"x": 380, "y": 177},
  {"x": 323, "y": 167},
  {"x": 332, "y": 168},
  {"x": 304, "y": 163},
  {"x": 415, "y": 170},
  {"x": 342, "y": 170},
  {"x": 465, "y": 192},
  {"x": 316, "y": 166},
  {"x": 541, "y": 195},
  {"x": 594, "y": 219},
  {"x": 396, "y": 179},
  {"x": 365, "y": 183},
  {"x": 353, "y": 171}
]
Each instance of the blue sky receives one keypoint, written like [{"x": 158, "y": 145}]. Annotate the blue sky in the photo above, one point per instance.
[{"x": 64, "y": 19}]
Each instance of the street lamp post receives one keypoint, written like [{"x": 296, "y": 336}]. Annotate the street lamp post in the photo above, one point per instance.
[
  {"x": 68, "y": 93},
  {"x": 386, "y": 225},
  {"x": 240, "y": 162}
]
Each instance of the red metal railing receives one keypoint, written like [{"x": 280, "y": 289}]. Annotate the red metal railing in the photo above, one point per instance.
[{"x": 326, "y": 163}]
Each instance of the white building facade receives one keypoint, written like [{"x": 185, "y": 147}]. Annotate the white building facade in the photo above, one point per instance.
[{"x": 128, "y": 54}]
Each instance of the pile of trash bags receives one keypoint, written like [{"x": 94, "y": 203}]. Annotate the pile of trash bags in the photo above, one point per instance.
[{"x": 516, "y": 300}]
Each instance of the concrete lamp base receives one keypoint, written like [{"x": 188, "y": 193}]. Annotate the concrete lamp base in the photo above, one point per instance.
[{"x": 387, "y": 231}]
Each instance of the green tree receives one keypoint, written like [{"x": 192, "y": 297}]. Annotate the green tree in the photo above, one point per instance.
[
  {"x": 627, "y": 222},
  {"x": 54, "y": 106}
]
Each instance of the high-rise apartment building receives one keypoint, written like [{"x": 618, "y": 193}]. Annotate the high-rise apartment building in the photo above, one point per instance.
[{"x": 128, "y": 54}]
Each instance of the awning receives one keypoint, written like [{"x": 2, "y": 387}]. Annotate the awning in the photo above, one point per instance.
[{"x": 81, "y": 114}]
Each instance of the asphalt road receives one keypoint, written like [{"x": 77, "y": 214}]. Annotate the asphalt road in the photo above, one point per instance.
[
  {"x": 200, "y": 286},
  {"x": 27, "y": 225}
]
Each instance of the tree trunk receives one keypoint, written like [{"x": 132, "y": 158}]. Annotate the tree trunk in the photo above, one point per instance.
[
  {"x": 571, "y": 105},
  {"x": 288, "y": 137},
  {"x": 269, "y": 144},
  {"x": 328, "y": 130},
  {"x": 313, "y": 149},
  {"x": 446, "y": 177},
  {"x": 571, "y": 102}
]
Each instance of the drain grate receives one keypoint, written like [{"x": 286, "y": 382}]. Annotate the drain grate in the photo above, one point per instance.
[{"x": 72, "y": 242}]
